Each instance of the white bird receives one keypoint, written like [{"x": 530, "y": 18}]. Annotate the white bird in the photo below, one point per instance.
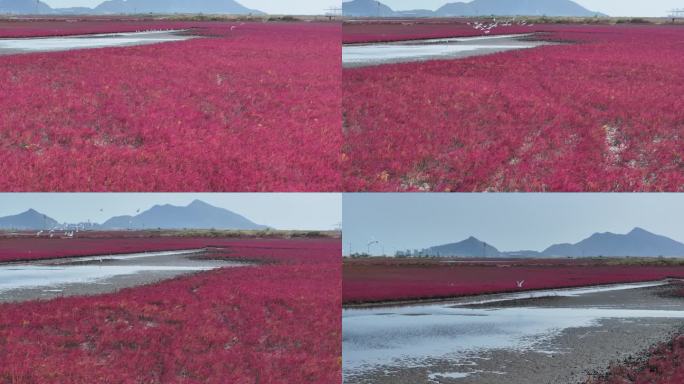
[{"x": 520, "y": 283}]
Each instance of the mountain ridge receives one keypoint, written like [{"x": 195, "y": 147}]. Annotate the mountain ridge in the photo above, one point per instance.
[
  {"x": 636, "y": 243},
  {"x": 28, "y": 220},
  {"x": 196, "y": 215},
  {"x": 112, "y": 7},
  {"x": 563, "y": 8}
]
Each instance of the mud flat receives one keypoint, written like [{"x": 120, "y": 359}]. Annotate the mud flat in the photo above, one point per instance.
[
  {"x": 560, "y": 337},
  {"x": 98, "y": 274},
  {"x": 361, "y": 55},
  {"x": 67, "y": 43}
]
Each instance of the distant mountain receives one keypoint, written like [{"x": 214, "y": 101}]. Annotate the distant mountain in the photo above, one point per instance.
[
  {"x": 23, "y": 7},
  {"x": 366, "y": 8},
  {"x": 173, "y": 6},
  {"x": 567, "y": 8},
  {"x": 28, "y": 221},
  {"x": 131, "y": 6},
  {"x": 471, "y": 247},
  {"x": 637, "y": 243},
  {"x": 515, "y": 8},
  {"x": 197, "y": 215}
]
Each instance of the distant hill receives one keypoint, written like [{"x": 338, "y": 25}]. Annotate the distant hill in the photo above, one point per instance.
[
  {"x": 637, "y": 243},
  {"x": 173, "y": 6},
  {"x": 366, "y": 8},
  {"x": 131, "y": 6},
  {"x": 23, "y": 7},
  {"x": 28, "y": 221},
  {"x": 471, "y": 247},
  {"x": 567, "y": 8},
  {"x": 197, "y": 215}
]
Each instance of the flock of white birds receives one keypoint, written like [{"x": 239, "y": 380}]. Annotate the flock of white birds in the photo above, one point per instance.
[{"x": 488, "y": 27}]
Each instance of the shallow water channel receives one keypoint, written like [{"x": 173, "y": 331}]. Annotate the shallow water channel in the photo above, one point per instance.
[
  {"x": 483, "y": 339},
  {"x": 359, "y": 55},
  {"x": 65, "y": 43},
  {"x": 98, "y": 274}
]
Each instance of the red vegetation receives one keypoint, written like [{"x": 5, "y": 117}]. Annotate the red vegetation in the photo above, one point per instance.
[
  {"x": 30, "y": 247},
  {"x": 248, "y": 107},
  {"x": 274, "y": 323},
  {"x": 663, "y": 366},
  {"x": 595, "y": 115},
  {"x": 393, "y": 280}
]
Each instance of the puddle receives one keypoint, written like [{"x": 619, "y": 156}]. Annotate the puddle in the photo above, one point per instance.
[
  {"x": 65, "y": 43},
  {"x": 394, "y": 337},
  {"x": 358, "y": 55},
  {"x": 448, "y": 375}
]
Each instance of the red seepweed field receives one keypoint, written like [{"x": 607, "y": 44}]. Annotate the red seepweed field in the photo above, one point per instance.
[
  {"x": 597, "y": 112},
  {"x": 244, "y": 106},
  {"x": 387, "y": 280},
  {"x": 662, "y": 365},
  {"x": 276, "y": 322}
]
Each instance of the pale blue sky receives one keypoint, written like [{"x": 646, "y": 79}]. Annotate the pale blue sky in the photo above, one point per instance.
[
  {"x": 298, "y": 7},
  {"x": 511, "y": 222},
  {"x": 278, "y": 210},
  {"x": 611, "y": 7}
]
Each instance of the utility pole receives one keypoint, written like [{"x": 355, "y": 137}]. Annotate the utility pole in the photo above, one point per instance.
[{"x": 333, "y": 12}]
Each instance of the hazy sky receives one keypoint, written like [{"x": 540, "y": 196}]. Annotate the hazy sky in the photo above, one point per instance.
[
  {"x": 610, "y": 7},
  {"x": 510, "y": 222},
  {"x": 281, "y": 210},
  {"x": 298, "y": 7}
]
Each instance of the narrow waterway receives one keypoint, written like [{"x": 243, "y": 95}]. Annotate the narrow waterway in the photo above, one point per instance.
[
  {"x": 359, "y": 55},
  {"x": 547, "y": 336},
  {"x": 98, "y": 274},
  {"x": 65, "y": 43}
]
